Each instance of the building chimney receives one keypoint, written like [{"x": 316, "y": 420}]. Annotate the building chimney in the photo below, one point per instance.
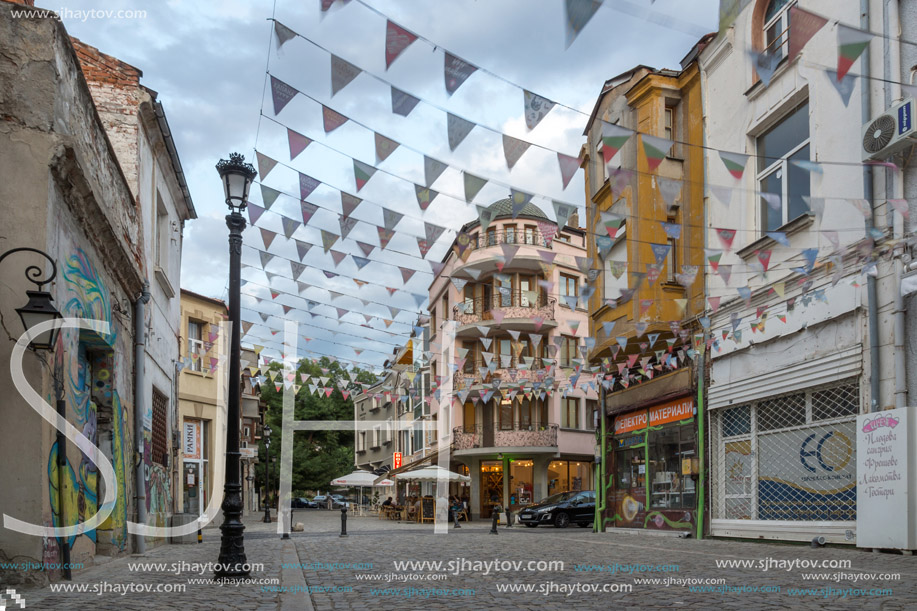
[{"x": 573, "y": 221}]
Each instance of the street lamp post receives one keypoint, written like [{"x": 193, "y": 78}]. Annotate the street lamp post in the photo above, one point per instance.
[
  {"x": 267, "y": 473},
  {"x": 237, "y": 179}
]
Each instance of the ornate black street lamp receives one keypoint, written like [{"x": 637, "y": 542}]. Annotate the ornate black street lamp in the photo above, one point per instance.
[
  {"x": 237, "y": 179},
  {"x": 267, "y": 476},
  {"x": 39, "y": 308}
]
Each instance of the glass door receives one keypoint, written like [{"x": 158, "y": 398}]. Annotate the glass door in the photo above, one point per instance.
[{"x": 491, "y": 486}]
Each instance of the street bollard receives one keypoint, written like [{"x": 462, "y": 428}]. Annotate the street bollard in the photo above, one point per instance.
[
  {"x": 286, "y": 531},
  {"x": 200, "y": 536},
  {"x": 496, "y": 517},
  {"x": 343, "y": 521},
  {"x": 509, "y": 518}
]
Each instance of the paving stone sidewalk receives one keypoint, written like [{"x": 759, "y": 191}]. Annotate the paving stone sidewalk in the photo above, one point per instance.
[
  {"x": 319, "y": 569},
  {"x": 103, "y": 582}
]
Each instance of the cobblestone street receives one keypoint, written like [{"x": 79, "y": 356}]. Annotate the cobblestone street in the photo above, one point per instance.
[{"x": 359, "y": 572}]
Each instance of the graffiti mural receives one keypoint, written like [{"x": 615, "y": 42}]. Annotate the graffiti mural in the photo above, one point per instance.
[{"x": 85, "y": 364}]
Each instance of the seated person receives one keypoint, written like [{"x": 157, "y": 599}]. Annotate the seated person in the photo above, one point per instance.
[
  {"x": 412, "y": 505},
  {"x": 387, "y": 502}
]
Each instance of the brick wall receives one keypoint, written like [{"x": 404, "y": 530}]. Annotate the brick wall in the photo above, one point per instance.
[{"x": 117, "y": 94}]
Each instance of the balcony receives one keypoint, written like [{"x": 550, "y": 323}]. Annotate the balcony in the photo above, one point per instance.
[
  {"x": 496, "y": 237},
  {"x": 490, "y": 436},
  {"x": 512, "y": 304},
  {"x": 471, "y": 374}
]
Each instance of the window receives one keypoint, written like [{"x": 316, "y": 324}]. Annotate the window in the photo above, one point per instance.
[
  {"x": 531, "y": 232},
  {"x": 471, "y": 357},
  {"x": 562, "y": 237},
  {"x": 568, "y": 286},
  {"x": 491, "y": 236},
  {"x": 669, "y": 123},
  {"x": 525, "y": 415},
  {"x": 672, "y": 486},
  {"x": 567, "y": 351},
  {"x": 592, "y": 410},
  {"x": 160, "y": 427},
  {"x": 568, "y": 475},
  {"x": 443, "y": 312},
  {"x": 569, "y": 413},
  {"x": 377, "y": 436},
  {"x": 247, "y": 433},
  {"x": 504, "y": 286},
  {"x": 777, "y": 27},
  {"x": 599, "y": 166},
  {"x": 470, "y": 307},
  {"x": 779, "y": 180},
  {"x": 161, "y": 247},
  {"x": 670, "y": 261},
  {"x": 468, "y": 417},
  {"x": 195, "y": 344},
  {"x": 528, "y": 295},
  {"x": 506, "y": 414},
  {"x": 361, "y": 442},
  {"x": 509, "y": 234},
  {"x": 505, "y": 352}
]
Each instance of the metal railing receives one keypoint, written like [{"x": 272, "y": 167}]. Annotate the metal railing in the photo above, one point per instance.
[
  {"x": 513, "y": 304},
  {"x": 494, "y": 436},
  {"x": 522, "y": 237}
]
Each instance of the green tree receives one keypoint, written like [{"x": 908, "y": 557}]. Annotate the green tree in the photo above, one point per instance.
[{"x": 318, "y": 456}]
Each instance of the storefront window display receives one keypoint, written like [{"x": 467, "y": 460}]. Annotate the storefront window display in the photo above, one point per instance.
[
  {"x": 655, "y": 467},
  {"x": 491, "y": 486},
  {"x": 567, "y": 475},
  {"x": 521, "y": 479}
]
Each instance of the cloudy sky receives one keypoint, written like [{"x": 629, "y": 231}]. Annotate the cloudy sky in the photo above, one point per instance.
[{"x": 209, "y": 60}]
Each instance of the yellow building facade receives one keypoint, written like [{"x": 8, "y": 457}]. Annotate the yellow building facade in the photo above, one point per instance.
[
  {"x": 199, "y": 398},
  {"x": 645, "y": 222}
]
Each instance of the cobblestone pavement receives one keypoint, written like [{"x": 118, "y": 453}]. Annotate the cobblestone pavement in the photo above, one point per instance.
[
  {"x": 366, "y": 568},
  {"x": 317, "y": 567},
  {"x": 104, "y": 583}
]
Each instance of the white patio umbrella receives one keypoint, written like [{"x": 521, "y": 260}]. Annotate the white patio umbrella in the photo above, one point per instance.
[
  {"x": 360, "y": 479},
  {"x": 433, "y": 473}
]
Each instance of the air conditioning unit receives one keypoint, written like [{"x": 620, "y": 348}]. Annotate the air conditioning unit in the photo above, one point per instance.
[{"x": 893, "y": 131}]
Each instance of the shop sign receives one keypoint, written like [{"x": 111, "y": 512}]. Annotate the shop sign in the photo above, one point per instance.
[
  {"x": 191, "y": 440},
  {"x": 808, "y": 474},
  {"x": 672, "y": 411},
  {"x": 882, "y": 479},
  {"x": 396, "y": 460},
  {"x": 634, "y": 421}
]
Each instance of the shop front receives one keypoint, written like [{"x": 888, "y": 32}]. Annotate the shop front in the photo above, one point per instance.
[{"x": 655, "y": 467}]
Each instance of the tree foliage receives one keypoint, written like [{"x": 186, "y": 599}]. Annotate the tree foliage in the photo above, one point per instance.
[{"x": 318, "y": 456}]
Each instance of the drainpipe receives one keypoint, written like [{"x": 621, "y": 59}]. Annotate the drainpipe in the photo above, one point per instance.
[
  {"x": 871, "y": 292},
  {"x": 139, "y": 387},
  {"x": 891, "y": 24}
]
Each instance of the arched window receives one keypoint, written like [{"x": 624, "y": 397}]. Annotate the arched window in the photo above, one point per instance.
[{"x": 777, "y": 27}]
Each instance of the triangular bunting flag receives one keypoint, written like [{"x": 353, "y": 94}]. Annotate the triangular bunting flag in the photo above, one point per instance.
[
  {"x": 384, "y": 147},
  {"x": 342, "y": 72},
  {"x": 289, "y": 226},
  {"x": 734, "y": 162},
  {"x": 805, "y": 26},
  {"x": 390, "y": 218},
  {"x": 456, "y": 129},
  {"x": 265, "y": 164},
  {"x": 298, "y": 143},
  {"x": 655, "y": 149},
  {"x": 403, "y": 103},
  {"x": 850, "y": 45},
  {"x": 331, "y": 120},
  {"x": 432, "y": 169},
  {"x": 281, "y": 94},
  {"x": 397, "y": 39},
  {"x": 473, "y": 185},
  {"x": 513, "y": 149},
  {"x": 362, "y": 172},
  {"x": 267, "y": 236},
  {"x": 425, "y": 196},
  {"x": 535, "y": 107},
  {"x": 568, "y": 167},
  {"x": 349, "y": 203},
  {"x": 302, "y": 248},
  {"x": 283, "y": 33},
  {"x": 328, "y": 239},
  {"x": 254, "y": 212},
  {"x": 307, "y": 185},
  {"x": 456, "y": 71},
  {"x": 307, "y": 211}
]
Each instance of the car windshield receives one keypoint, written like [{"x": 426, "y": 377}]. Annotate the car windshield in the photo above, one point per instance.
[{"x": 557, "y": 498}]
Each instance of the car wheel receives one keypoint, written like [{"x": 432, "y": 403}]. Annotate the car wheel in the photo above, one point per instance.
[
  {"x": 531, "y": 525},
  {"x": 562, "y": 520}
]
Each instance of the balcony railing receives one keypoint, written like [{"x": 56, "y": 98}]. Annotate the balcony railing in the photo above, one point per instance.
[
  {"x": 471, "y": 372},
  {"x": 493, "y": 436},
  {"x": 523, "y": 237},
  {"x": 513, "y": 304}
]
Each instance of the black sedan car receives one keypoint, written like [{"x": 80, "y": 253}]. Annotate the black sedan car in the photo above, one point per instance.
[
  {"x": 302, "y": 503},
  {"x": 577, "y": 507}
]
